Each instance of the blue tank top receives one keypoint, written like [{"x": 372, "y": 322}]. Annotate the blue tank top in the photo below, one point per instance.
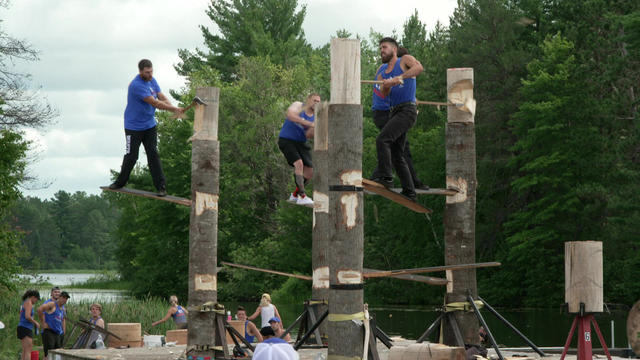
[
  {"x": 380, "y": 102},
  {"x": 249, "y": 338},
  {"x": 54, "y": 320},
  {"x": 179, "y": 317},
  {"x": 23, "y": 320},
  {"x": 401, "y": 93},
  {"x": 294, "y": 131}
]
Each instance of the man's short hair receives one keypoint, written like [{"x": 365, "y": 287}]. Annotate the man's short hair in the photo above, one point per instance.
[
  {"x": 144, "y": 63},
  {"x": 312, "y": 95},
  {"x": 388, "y": 40},
  {"x": 241, "y": 308},
  {"x": 65, "y": 294},
  {"x": 55, "y": 288},
  {"x": 267, "y": 331}
]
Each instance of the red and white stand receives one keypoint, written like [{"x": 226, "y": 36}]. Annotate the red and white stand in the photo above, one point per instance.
[{"x": 584, "y": 337}]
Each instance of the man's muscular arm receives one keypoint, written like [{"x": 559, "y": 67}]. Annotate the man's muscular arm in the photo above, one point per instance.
[
  {"x": 293, "y": 114},
  {"x": 164, "y": 99},
  {"x": 411, "y": 68},
  {"x": 161, "y": 104}
]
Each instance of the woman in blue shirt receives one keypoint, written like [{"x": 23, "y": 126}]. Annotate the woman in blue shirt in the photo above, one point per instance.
[
  {"x": 177, "y": 312},
  {"x": 25, "y": 326}
]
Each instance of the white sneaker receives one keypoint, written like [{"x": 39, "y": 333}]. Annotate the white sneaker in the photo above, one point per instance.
[
  {"x": 292, "y": 198},
  {"x": 304, "y": 200}
]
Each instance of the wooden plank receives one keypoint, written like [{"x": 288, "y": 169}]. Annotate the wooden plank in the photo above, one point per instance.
[
  {"x": 247, "y": 267},
  {"x": 376, "y": 273},
  {"x": 418, "y": 278},
  {"x": 445, "y": 192},
  {"x": 431, "y": 269},
  {"x": 374, "y": 187},
  {"x": 149, "y": 195}
]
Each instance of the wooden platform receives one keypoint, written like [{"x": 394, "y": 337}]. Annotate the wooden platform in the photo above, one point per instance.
[
  {"x": 394, "y": 196},
  {"x": 150, "y": 195}
]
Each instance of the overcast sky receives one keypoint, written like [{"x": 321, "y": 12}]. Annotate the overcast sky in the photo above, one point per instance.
[{"x": 89, "y": 51}]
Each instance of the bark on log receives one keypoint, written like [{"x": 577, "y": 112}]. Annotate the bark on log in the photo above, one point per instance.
[
  {"x": 322, "y": 229},
  {"x": 203, "y": 225},
  {"x": 459, "y": 215},
  {"x": 346, "y": 243}
]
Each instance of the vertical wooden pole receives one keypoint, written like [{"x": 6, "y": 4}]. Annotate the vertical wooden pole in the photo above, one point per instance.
[
  {"x": 203, "y": 225},
  {"x": 322, "y": 230},
  {"x": 459, "y": 214},
  {"x": 344, "y": 177}
]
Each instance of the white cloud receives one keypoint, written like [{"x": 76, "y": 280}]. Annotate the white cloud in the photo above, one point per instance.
[{"x": 89, "y": 52}]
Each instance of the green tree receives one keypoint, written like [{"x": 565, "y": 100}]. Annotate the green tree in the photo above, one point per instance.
[
  {"x": 268, "y": 28},
  {"x": 558, "y": 160},
  {"x": 13, "y": 162}
]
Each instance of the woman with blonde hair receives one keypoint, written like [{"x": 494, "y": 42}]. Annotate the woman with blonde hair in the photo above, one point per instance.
[
  {"x": 177, "y": 312},
  {"x": 266, "y": 309}
]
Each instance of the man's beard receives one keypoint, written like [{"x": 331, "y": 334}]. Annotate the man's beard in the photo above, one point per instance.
[{"x": 385, "y": 58}]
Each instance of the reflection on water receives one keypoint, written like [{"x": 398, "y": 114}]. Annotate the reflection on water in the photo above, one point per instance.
[
  {"x": 78, "y": 295},
  {"x": 60, "y": 279}
]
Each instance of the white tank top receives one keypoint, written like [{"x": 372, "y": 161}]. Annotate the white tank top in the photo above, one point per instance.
[{"x": 266, "y": 313}]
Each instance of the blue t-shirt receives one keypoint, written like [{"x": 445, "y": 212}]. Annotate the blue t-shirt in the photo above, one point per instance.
[
  {"x": 249, "y": 338},
  {"x": 179, "y": 317},
  {"x": 23, "y": 320},
  {"x": 401, "y": 93},
  {"x": 294, "y": 131},
  {"x": 275, "y": 340},
  {"x": 54, "y": 320},
  {"x": 380, "y": 102},
  {"x": 139, "y": 115}
]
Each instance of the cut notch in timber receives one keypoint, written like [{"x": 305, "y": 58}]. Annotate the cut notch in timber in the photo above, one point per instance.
[
  {"x": 150, "y": 195},
  {"x": 376, "y": 188}
]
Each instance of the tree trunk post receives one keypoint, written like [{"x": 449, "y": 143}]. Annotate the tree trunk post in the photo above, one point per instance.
[
  {"x": 459, "y": 214},
  {"x": 344, "y": 178},
  {"x": 203, "y": 225},
  {"x": 321, "y": 225}
]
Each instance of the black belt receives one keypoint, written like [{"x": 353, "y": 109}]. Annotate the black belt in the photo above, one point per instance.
[{"x": 403, "y": 104}]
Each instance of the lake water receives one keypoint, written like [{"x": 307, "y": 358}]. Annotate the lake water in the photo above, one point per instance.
[
  {"x": 80, "y": 295},
  {"x": 545, "y": 327}
]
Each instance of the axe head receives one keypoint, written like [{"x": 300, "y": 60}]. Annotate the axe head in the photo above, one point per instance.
[{"x": 198, "y": 101}]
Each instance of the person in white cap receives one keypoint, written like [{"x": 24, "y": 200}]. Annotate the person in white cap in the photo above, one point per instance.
[{"x": 274, "y": 348}]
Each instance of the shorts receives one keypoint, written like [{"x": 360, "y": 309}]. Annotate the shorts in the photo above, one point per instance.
[
  {"x": 295, "y": 150},
  {"x": 24, "y": 332},
  {"x": 51, "y": 340}
]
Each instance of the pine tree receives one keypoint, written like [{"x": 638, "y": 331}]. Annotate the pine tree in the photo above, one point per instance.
[{"x": 270, "y": 28}]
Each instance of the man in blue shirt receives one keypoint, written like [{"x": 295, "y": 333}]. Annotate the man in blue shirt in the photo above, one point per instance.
[
  {"x": 297, "y": 128},
  {"x": 140, "y": 126},
  {"x": 399, "y": 83}
]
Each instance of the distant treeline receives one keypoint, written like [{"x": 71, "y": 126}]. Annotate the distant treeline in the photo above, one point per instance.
[{"x": 68, "y": 231}]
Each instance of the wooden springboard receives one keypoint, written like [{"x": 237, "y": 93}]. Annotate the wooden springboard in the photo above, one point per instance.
[
  {"x": 379, "y": 189},
  {"x": 150, "y": 195}
]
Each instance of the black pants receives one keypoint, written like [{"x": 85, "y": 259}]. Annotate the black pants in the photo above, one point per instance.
[
  {"x": 390, "y": 145},
  {"x": 148, "y": 138},
  {"x": 380, "y": 118},
  {"x": 51, "y": 341}
]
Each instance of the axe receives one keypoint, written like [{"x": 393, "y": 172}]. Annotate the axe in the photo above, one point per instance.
[{"x": 196, "y": 101}]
